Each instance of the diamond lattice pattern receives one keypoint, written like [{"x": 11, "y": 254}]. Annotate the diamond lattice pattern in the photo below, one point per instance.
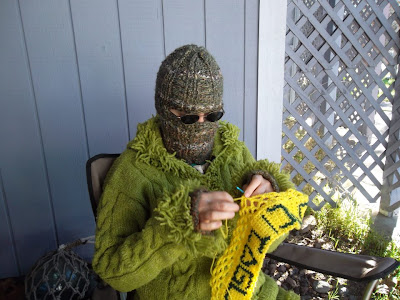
[{"x": 340, "y": 69}]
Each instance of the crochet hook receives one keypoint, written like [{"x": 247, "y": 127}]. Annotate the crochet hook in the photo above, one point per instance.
[
  {"x": 238, "y": 199},
  {"x": 240, "y": 189}
]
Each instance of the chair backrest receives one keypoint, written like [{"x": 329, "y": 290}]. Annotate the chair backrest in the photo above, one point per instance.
[{"x": 97, "y": 168}]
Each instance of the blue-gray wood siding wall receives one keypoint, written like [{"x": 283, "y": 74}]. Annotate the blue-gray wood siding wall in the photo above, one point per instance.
[{"x": 76, "y": 77}]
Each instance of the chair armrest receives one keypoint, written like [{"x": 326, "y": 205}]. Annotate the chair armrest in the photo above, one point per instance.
[{"x": 354, "y": 267}]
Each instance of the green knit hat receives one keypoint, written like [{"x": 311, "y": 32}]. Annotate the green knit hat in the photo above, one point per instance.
[{"x": 189, "y": 80}]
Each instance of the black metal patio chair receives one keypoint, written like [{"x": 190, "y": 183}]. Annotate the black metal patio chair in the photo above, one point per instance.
[{"x": 360, "y": 268}]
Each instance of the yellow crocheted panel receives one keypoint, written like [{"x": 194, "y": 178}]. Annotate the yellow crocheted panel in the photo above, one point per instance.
[{"x": 262, "y": 220}]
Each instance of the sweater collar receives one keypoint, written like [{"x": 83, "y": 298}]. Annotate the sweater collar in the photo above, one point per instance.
[{"x": 149, "y": 147}]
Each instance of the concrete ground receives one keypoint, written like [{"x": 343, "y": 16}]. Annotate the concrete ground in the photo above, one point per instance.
[{"x": 388, "y": 226}]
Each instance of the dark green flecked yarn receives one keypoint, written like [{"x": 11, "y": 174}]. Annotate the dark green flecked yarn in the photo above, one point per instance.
[{"x": 189, "y": 80}]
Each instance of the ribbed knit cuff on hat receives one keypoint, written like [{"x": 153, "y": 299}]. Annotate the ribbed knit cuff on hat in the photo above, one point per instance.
[{"x": 266, "y": 176}]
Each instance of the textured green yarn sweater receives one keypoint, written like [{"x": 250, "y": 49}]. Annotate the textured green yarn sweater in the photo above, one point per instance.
[{"x": 145, "y": 239}]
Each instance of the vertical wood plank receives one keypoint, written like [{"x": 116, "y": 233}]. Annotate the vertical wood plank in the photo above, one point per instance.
[
  {"x": 8, "y": 260},
  {"x": 51, "y": 51},
  {"x": 97, "y": 37},
  {"x": 24, "y": 182},
  {"x": 183, "y": 23},
  {"x": 250, "y": 79},
  {"x": 271, "y": 56},
  {"x": 143, "y": 50},
  {"x": 225, "y": 41}
]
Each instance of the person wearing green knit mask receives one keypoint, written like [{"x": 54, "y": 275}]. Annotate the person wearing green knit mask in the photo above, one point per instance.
[{"x": 160, "y": 218}]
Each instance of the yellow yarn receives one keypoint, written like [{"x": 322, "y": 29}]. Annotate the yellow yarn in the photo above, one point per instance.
[{"x": 262, "y": 220}]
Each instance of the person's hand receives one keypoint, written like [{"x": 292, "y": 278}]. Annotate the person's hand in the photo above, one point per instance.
[
  {"x": 214, "y": 207},
  {"x": 258, "y": 185}
]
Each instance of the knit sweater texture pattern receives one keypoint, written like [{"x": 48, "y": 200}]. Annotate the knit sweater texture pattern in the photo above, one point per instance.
[{"x": 145, "y": 237}]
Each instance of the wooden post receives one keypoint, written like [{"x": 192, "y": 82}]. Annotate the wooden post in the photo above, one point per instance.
[{"x": 271, "y": 54}]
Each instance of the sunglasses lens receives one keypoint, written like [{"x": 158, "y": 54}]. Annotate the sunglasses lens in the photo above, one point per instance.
[
  {"x": 215, "y": 116},
  {"x": 211, "y": 117},
  {"x": 189, "y": 119}
]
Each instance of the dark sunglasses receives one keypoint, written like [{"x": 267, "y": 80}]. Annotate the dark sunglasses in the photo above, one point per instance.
[{"x": 211, "y": 117}]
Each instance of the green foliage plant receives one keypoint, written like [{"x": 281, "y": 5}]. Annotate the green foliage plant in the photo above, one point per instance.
[{"x": 349, "y": 227}]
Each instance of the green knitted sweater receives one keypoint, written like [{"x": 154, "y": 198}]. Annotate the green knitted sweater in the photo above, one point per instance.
[{"x": 145, "y": 239}]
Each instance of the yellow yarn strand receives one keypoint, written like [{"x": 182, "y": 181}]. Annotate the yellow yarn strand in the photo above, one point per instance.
[
  {"x": 212, "y": 265},
  {"x": 262, "y": 220},
  {"x": 224, "y": 231}
]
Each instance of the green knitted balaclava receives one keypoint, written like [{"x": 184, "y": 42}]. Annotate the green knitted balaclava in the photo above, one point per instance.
[{"x": 189, "y": 80}]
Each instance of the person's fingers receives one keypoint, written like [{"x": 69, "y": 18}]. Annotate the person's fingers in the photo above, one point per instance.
[
  {"x": 268, "y": 188},
  {"x": 210, "y": 225},
  {"x": 213, "y": 208},
  {"x": 210, "y": 199},
  {"x": 213, "y": 215},
  {"x": 224, "y": 206},
  {"x": 254, "y": 183},
  {"x": 261, "y": 189},
  {"x": 220, "y": 196}
]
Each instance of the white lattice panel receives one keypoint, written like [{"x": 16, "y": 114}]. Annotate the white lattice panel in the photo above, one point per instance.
[{"x": 340, "y": 69}]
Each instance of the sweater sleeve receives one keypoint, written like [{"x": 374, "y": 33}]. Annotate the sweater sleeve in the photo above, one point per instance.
[
  {"x": 281, "y": 179},
  {"x": 134, "y": 245},
  {"x": 269, "y": 290},
  {"x": 251, "y": 166}
]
